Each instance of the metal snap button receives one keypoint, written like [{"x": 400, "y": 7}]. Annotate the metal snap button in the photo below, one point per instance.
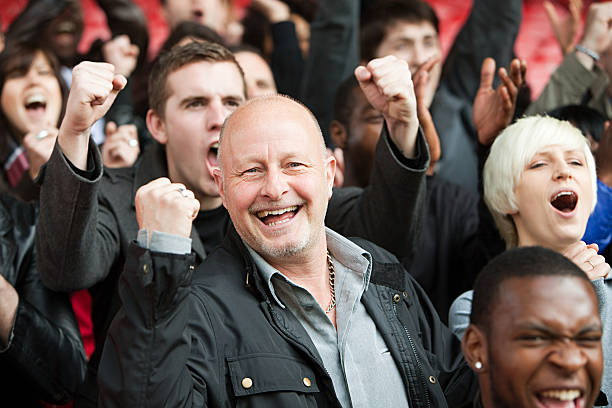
[
  {"x": 307, "y": 381},
  {"x": 432, "y": 379},
  {"x": 247, "y": 383},
  {"x": 396, "y": 298}
]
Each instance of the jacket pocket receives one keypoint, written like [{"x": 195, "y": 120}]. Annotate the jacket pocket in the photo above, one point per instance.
[{"x": 263, "y": 373}]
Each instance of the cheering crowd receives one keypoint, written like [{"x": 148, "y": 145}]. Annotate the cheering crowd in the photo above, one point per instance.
[{"x": 304, "y": 207}]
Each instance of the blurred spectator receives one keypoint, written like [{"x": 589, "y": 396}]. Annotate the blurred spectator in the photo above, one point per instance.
[
  {"x": 41, "y": 353},
  {"x": 31, "y": 102},
  {"x": 257, "y": 73}
]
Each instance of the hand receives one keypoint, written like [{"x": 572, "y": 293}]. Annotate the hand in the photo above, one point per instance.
[
  {"x": 166, "y": 207},
  {"x": 421, "y": 78},
  {"x": 597, "y": 34},
  {"x": 275, "y": 10},
  {"x": 494, "y": 108},
  {"x": 94, "y": 89},
  {"x": 122, "y": 54},
  {"x": 604, "y": 156},
  {"x": 39, "y": 145},
  {"x": 565, "y": 29},
  {"x": 587, "y": 259},
  {"x": 387, "y": 84},
  {"x": 9, "y": 300},
  {"x": 120, "y": 148}
]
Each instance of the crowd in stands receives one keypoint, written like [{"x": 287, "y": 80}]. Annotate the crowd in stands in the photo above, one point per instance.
[{"x": 304, "y": 203}]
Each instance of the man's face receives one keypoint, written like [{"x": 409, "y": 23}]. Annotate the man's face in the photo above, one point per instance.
[
  {"x": 212, "y": 13},
  {"x": 554, "y": 198},
  {"x": 544, "y": 345},
  {"x": 365, "y": 124},
  {"x": 276, "y": 182},
  {"x": 415, "y": 43},
  {"x": 257, "y": 74},
  {"x": 33, "y": 100},
  {"x": 63, "y": 33},
  {"x": 201, "y": 95}
]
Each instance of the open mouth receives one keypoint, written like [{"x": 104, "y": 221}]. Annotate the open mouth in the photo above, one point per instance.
[
  {"x": 565, "y": 201},
  {"x": 278, "y": 216},
  {"x": 66, "y": 27},
  {"x": 36, "y": 105},
  {"x": 212, "y": 155},
  {"x": 561, "y": 399}
]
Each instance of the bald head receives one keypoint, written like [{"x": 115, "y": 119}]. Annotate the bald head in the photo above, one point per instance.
[
  {"x": 272, "y": 158},
  {"x": 267, "y": 110}
]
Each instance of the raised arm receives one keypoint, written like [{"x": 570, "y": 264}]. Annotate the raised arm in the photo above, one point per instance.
[
  {"x": 145, "y": 357},
  {"x": 490, "y": 31},
  {"x": 77, "y": 237},
  {"x": 390, "y": 211}
]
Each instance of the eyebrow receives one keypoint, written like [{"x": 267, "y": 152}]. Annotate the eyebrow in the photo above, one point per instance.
[{"x": 546, "y": 329}]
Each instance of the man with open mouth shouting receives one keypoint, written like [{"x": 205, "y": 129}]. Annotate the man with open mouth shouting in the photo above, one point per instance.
[
  {"x": 88, "y": 219},
  {"x": 535, "y": 333}
]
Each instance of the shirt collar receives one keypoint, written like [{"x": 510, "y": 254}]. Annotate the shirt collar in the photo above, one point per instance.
[{"x": 349, "y": 254}]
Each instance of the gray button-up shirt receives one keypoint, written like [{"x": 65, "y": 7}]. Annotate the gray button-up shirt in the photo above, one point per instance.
[{"x": 356, "y": 357}]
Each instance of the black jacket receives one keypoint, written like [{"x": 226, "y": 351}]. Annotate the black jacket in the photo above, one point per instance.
[
  {"x": 45, "y": 358},
  {"x": 88, "y": 219},
  {"x": 178, "y": 342}
]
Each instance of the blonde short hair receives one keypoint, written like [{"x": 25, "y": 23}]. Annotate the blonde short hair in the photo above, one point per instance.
[{"x": 512, "y": 151}]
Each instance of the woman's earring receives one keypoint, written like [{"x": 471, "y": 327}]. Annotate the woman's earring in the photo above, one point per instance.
[{"x": 478, "y": 366}]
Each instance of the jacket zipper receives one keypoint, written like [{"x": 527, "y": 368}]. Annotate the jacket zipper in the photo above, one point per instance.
[{"x": 414, "y": 351}]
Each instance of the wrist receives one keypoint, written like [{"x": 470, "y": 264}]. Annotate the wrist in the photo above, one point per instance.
[
  {"x": 403, "y": 134},
  {"x": 586, "y": 56}
]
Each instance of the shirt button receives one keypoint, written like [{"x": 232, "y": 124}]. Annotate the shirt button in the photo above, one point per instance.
[
  {"x": 432, "y": 379},
  {"x": 307, "y": 381},
  {"x": 396, "y": 298},
  {"x": 247, "y": 383}
]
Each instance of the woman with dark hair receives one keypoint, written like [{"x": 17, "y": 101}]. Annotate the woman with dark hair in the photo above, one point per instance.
[{"x": 31, "y": 105}]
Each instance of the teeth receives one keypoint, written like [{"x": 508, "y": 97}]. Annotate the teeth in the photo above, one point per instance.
[
  {"x": 563, "y": 193},
  {"x": 262, "y": 214},
  {"x": 215, "y": 145},
  {"x": 562, "y": 395},
  {"x": 37, "y": 98}
]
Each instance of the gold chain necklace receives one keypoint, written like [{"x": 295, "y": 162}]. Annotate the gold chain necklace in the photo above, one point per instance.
[{"x": 332, "y": 283}]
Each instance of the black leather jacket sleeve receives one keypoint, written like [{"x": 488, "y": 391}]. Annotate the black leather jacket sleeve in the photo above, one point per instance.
[{"x": 45, "y": 344}]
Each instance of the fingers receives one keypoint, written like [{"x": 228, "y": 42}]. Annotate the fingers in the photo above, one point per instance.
[
  {"x": 428, "y": 65},
  {"x": 487, "y": 73},
  {"x": 166, "y": 207},
  {"x": 121, "y": 148},
  {"x": 551, "y": 13},
  {"x": 573, "y": 250}
]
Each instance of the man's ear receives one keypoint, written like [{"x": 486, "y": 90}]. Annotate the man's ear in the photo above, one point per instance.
[
  {"x": 474, "y": 347},
  {"x": 330, "y": 171},
  {"x": 339, "y": 176},
  {"x": 156, "y": 127},
  {"x": 338, "y": 134},
  {"x": 219, "y": 180}
]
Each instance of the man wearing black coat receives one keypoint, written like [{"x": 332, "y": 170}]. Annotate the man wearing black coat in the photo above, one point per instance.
[
  {"x": 286, "y": 312},
  {"x": 88, "y": 219}
]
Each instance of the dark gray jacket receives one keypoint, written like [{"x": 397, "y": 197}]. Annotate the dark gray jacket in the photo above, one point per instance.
[
  {"x": 88, "y": 219},
  {"x": 183, "y": 342}
]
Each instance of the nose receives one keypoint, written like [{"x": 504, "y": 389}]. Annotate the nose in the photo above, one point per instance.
[
  {"x": 568, "y": 357},
  {"x": 274, "y": 184},
  {"x": 562, "y": 171},
  {"x": 419, "y": 56},
  {"x": 215, "y": 115}
]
